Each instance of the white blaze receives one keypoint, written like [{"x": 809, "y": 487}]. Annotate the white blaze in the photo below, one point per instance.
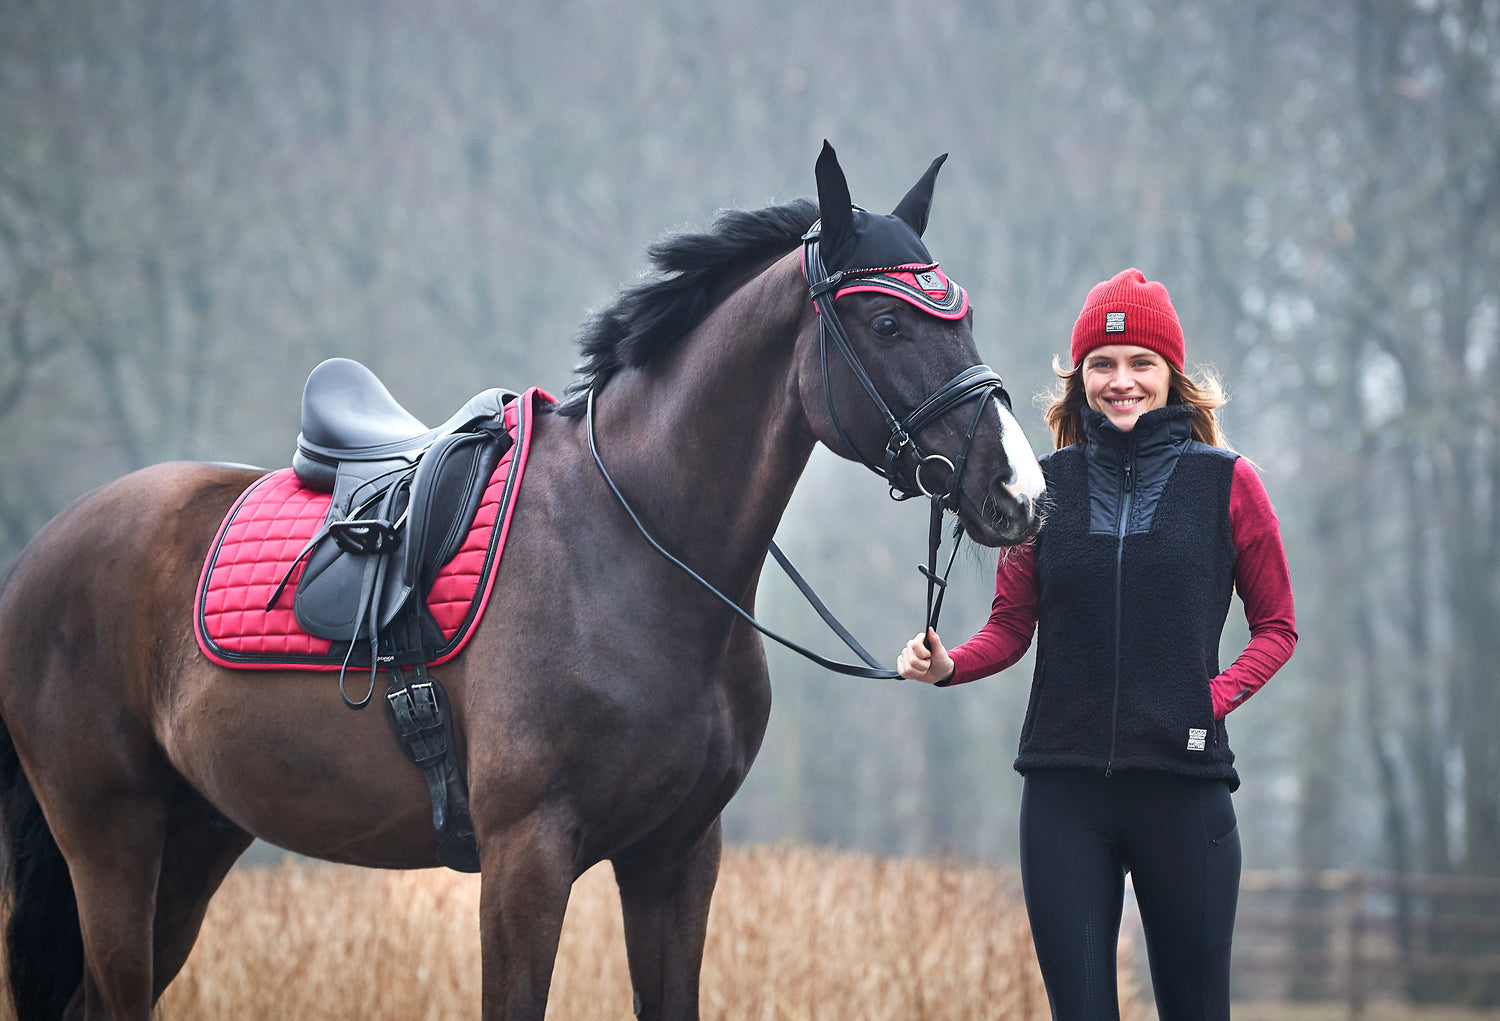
[{"x": 1026, "y": 475}]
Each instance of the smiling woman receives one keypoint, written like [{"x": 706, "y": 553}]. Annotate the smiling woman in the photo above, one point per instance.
[
  {"x": 1124, "y": 382},
  {"x": 1154, "y": 523}
]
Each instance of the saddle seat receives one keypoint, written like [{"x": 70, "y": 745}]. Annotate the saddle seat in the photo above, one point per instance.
[{"x": 349, "y": 415}]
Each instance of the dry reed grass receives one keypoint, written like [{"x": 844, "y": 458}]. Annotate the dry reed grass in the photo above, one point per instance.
[{"x": 795, "y": 933}]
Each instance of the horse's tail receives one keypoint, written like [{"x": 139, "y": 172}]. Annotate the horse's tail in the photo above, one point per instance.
[{"x": 43, "y": 943}]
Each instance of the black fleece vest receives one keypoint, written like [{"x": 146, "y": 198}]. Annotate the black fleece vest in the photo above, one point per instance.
[{"x": 1135, "y": 567}]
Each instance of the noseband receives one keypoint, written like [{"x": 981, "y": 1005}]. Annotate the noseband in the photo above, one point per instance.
[{"x": 976, "y": 383}]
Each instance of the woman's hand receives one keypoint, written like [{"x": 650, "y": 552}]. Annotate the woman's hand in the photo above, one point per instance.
[{"x": 925, "y": 660}]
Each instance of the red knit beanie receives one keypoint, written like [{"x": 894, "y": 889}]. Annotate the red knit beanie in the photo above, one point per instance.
[{"x": 1129, "y": 309}]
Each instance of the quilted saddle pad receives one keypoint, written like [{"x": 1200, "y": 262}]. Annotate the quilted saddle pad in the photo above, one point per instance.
[{"x": 271, "y": 524}]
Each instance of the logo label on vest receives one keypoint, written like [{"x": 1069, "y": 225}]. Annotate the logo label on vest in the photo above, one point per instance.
[
  {"x": 1196, "y": 739},
  {"x": 1114, "y": 322}
]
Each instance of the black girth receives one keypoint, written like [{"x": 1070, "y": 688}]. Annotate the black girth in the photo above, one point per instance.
[{"x": 976, "y": 383}]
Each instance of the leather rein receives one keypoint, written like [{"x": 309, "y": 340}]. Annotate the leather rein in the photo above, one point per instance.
[{"x": 976, "y": 383}]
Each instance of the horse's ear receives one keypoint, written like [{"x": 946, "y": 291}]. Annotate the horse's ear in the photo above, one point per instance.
[
  {"x": 913, "y": 209},
  {"x": 834, "y": 204}
]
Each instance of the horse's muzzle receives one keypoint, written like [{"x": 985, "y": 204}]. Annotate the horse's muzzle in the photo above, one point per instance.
[{"x": 1004, "y": 517}]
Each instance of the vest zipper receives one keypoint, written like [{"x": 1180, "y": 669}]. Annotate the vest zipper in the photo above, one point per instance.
[{"x": 1121, "y": 525}]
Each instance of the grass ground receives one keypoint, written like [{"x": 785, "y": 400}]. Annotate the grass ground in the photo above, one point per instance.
[{"x": 795, "y": 933}]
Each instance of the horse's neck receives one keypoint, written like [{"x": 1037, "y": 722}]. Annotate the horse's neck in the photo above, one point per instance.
[{"x": 710, "y": 443}]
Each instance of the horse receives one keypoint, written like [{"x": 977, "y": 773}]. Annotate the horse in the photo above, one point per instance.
[{"x": 608, "y": 706}]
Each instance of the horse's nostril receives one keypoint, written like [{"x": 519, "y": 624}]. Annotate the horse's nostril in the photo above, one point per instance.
[{"x": 1023, "y": 499}]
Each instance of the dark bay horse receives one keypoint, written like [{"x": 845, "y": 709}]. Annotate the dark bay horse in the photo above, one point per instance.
[{"x": 607, "y": 708}]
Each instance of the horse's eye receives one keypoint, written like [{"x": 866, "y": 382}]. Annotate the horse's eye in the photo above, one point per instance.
[{"x": 885, "y": 326}]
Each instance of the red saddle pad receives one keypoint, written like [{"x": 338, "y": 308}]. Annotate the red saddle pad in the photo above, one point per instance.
[{"x": 271, "y": 524}]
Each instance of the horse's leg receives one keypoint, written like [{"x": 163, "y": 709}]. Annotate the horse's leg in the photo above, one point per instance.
[
  {"x": 115, "y": 861},
  {"x": 665, "y": 902},
  {"x": 201, "y": 846},
  {"x": 526, "y": 875}
]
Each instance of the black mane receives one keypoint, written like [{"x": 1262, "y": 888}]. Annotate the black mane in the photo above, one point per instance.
[{"x": 647, "y": 319}]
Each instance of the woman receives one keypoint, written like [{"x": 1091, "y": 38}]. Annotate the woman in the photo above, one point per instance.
[{"x": 1154, "y": 521}]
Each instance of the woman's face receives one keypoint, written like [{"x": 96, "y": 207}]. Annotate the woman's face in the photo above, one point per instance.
[{"x": 1124, "y": 382}]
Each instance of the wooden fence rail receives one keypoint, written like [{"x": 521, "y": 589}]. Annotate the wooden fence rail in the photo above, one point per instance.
[{"x": 1352, "y": 935}]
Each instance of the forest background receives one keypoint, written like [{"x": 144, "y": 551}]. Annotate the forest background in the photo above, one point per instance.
[{"x": 201, "y": 199}]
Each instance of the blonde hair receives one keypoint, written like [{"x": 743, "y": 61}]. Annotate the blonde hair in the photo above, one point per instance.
[{"x": 1206, "y": 395}]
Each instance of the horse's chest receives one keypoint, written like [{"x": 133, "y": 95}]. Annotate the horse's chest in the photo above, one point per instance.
[{"x": 677, "y": 761}]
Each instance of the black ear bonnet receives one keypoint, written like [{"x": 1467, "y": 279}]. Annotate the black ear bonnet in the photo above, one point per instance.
[{"x": 883, "y": 253}]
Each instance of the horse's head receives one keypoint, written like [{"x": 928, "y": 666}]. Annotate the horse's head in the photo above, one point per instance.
[{"x": 891, "y": 375}]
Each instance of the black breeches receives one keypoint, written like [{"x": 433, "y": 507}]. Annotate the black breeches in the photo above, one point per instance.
[{"x": 1080, "y": 833}]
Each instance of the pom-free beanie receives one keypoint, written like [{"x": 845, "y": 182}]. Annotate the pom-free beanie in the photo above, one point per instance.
[{"x": 1129, "y": 309}]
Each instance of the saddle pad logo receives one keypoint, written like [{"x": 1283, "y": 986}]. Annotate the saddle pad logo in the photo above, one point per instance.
[
  {"x": 1114, "y": 322},
  {"x": 1197, "y": 739}
]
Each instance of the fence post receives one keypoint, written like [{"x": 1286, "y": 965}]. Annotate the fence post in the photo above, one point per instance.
[{"x": 1354, "y": 899}]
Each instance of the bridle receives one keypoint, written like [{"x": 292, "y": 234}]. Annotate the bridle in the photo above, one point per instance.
[{"x": 977, "y": 383}]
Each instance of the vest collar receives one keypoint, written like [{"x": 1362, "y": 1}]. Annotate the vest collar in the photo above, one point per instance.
[{"x": 1169, "y": 426}]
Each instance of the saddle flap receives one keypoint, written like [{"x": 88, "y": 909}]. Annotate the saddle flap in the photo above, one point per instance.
[
  {"x": 390, "y": 528},
  {"x": 334, "y": 594}
]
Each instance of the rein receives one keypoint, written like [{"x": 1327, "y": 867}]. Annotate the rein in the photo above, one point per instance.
[
  {"x": 873, "y": 669},
  {"x": 978, "y": 382}
]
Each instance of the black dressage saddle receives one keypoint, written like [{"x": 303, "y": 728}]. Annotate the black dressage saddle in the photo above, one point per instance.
[{"x": 404, "y": 498}]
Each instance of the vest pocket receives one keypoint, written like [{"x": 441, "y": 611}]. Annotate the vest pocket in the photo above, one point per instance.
[{"x": 1205, "y": 715}]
